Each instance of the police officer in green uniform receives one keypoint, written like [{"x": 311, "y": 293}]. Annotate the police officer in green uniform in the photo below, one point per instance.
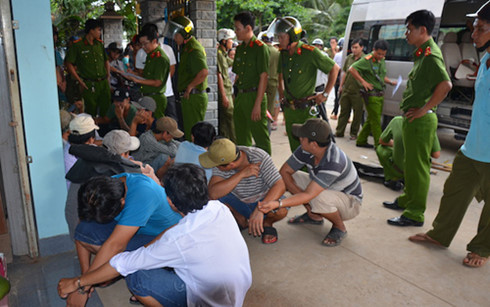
[
  {"x": 298, "y": 65},
  {"x": 428, "y": 84},
  {"x": 226, "y": 126},
  {"x": 272, "y": 75},
  {"x": 87, "y": 62},
  {"x": 370, "y": 71},
  {"x": 156, "y": 71},
  {"x": 350, "y": 98},
  {"x": 250, "y": 66},
  {"x": 192, "y": 73},
  {"x": 390, "y": 153}
]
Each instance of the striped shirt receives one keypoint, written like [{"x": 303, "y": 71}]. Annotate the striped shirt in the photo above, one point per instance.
[
  {"x": 253, "y": 189},
  {"x": 335, "y": 170}
]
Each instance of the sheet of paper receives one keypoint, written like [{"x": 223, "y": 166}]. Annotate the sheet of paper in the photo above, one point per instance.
[{"x": 397, "y": 86}]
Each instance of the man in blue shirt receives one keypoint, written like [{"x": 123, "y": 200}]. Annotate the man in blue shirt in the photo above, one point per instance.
[
  {"x": 470, "y": 176},
  {"x": 118, "y": 213}
]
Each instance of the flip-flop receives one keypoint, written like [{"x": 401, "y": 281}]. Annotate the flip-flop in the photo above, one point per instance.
[
  {"x": 304, "y": 219},
  {"x": 269, "y": 230},
  {"x": 471, "y": 256},
  {"x": 134, "y": 301},
  {"x": 424, "y": 238},
  {"x": 335, "y": 234}
]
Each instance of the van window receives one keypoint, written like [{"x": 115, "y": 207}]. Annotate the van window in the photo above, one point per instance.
[{"x": 394, "y": 34}]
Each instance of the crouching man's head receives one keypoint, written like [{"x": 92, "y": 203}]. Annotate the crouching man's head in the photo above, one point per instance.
[
  {"x": 186, "y": 187},
  {"x": 314, "y": 134},
  {"x": 101, "y": 199}
]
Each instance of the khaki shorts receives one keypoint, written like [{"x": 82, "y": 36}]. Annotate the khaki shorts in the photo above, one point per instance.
[{"x": 330, "y": 201}]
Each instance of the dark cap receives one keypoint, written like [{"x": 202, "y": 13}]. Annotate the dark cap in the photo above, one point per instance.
[
  {"x": 482, "y": 13},
  {"x": 315, "y": 129},
  {"x": 120, "y": 94}
]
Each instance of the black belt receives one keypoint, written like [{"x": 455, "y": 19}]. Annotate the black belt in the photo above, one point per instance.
[
  {"x": 300, "y": 104},
  {"x": 247, "y": 90},
  {"x": 374, "y": 93},
  {"x": 94, "y": 80},
  {"x": 152, "y": 94},
  {"x": 195, "y": 91}
]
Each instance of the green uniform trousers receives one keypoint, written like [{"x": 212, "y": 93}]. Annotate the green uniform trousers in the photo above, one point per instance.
[
  {"x": 385, "y": 156},
  {"x": 161, "y": 102},
  {"x": 193, "y": 111},
  {"x": 271, "y": 91},
  {"x": 469, "y": 178},
  {"x": 97, "y": 96},
  {"x": 226, "y": 126},
  {"x": 295, "y": 117},
  {"x": 418, "y": 140},
  {"x": 348, "y": 102},
  {"x": 245, "y": 128},
  {"x": 372, "y": 126}
]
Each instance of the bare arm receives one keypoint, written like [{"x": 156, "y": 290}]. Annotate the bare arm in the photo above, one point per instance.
[
  {"x": 390, "y": 143},
  {"x": 332, "y": 77},
  {"x": 256, "y": 111},
  {"x": 219, "y": 186},
  {"x": 172, "y": 71},
  {"x": 222, "y": 91}
]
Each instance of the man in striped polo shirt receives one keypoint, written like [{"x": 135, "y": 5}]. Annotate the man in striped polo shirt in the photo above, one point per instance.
[
  {"x": 331, "y": 189},
  {"x": 243, "y": 176}
]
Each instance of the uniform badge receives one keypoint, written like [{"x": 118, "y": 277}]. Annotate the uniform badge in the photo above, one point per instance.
[
  {"x": 428, "y": 51},
  {"x": 419, "y": 52}
]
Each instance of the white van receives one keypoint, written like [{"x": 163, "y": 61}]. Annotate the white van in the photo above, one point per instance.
[{"x": 371, "y": 20}]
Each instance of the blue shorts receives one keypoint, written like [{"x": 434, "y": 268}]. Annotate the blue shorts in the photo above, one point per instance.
[
  {"x": 241, "y": 207},
  {"x": 161, "y": 284},
  {"x": 96, "y": 234}
]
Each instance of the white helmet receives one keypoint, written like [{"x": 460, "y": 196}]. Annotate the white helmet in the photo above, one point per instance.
[
  {"x": 317, "y": 41},
  {"x": 225, "y": 34}
]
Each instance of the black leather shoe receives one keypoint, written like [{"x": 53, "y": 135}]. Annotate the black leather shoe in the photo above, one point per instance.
[
  {"x": 394, "y": 185},
  {"x": 365, "y": 145},
  {"x": 392, "y": 205},
  {"x": 404, "y": 221}
]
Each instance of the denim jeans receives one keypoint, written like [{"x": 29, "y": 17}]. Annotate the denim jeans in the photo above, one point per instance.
[{"x": 161, "y": 284}]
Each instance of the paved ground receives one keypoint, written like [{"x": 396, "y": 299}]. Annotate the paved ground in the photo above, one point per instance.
[{"x": 375, "y": 265}]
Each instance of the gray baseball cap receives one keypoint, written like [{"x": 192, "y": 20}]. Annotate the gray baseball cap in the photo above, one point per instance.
[
  {"x": 146, "y": 103},
  {"x": 119, "y": 142}
]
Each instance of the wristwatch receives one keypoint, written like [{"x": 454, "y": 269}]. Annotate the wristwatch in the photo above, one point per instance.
[{"x": 325, "y": 94}]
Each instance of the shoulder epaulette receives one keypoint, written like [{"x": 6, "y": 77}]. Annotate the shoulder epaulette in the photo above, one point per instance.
[
  {"x": 100, "y": 40},
  {"x": 308, "y": 47},
  {"x": 78, "y": 40},
  {"x": 259, "y": 43},
  {"x": 368, "y": 57}
]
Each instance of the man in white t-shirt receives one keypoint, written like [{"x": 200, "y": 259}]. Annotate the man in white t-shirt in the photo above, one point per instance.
[{"x": 201, "y": 261}]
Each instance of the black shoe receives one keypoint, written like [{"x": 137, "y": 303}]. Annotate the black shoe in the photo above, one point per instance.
[
  {"x": 392, "y": 205},
  {"x": 365, "y": 145},
  {"x": 394, "y": 185},
  {"x": 404, "y": 221}
]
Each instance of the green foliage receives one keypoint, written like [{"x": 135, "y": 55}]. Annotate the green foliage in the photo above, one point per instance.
[
  {"x": 70, "y": 15},
  {"x": 265, "y": 11},
  {"x": 320, "y": 18}
]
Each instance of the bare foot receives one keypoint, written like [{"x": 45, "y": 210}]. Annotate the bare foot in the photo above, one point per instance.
[
  {"x": 474, "y": 260},
  {"x": 424, "y": 238}
]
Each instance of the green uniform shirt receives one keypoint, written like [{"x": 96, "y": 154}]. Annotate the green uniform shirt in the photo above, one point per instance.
[
  {"x": 428, "y": 71},
  {"x": 157, "y": 67},
  {"x": 89, "y": 59},
  {"x": 273, "y": 63},
  {"x": 128, "y": 119},
  {"x": 251, "y": 60},
  {"x": 192, "y": 61},
  {"x": 351, "y": 85},
  {"x": 394, "y": 132},
  {"x": 223, "y": 66},
  {"x": 299, "y": 70},
  {"x": 368, "y": 68}
]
